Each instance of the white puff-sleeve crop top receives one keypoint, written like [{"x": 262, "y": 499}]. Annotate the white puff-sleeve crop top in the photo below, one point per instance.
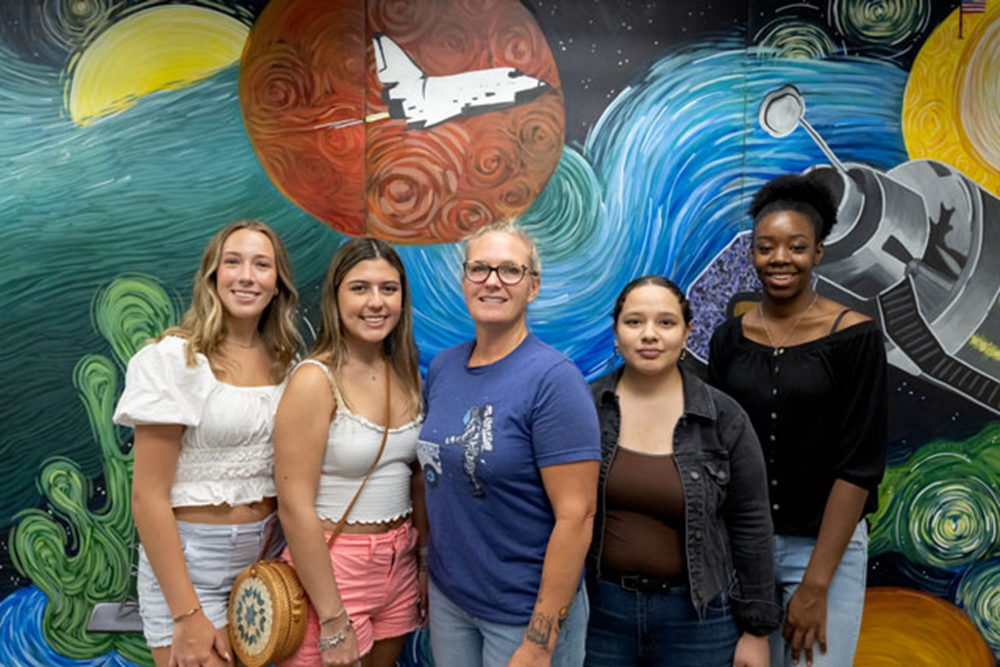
[
  {"x": 352, "y": 444},
  {"x": 227, "y": 449}
]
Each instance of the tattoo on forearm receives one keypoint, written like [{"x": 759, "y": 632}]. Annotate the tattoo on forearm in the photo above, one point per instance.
[
  {"x": 539, "y": 630},
  {"x": 563, "y": 614}
]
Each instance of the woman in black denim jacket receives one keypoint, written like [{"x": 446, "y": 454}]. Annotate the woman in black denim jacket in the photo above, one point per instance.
[{"x": 680, "y": 570}]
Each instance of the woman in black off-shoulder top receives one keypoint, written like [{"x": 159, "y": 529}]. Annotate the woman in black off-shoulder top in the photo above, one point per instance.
[{"x": 811, "y": 374}]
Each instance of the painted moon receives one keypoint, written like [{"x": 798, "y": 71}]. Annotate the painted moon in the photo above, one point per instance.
[
  {"x": 406, "y": 144},
  {"x": 161, "y": 48}
]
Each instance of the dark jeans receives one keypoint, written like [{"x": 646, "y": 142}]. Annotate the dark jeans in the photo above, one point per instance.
[{"x": 653, "y": 629}]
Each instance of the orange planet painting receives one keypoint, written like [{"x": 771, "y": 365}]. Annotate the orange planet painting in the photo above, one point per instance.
[
  {"x": 413, "y": 122},
  {"x": 904, "y": 627}
]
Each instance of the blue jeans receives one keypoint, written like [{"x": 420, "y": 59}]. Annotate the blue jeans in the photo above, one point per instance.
[
  {"x": 845, "y": 599},
  {"x": 461, "y": 640},
  {"x": 658, "y": 629}
]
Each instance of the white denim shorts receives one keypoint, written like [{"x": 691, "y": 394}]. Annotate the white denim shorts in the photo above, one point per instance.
[{"x": 214, "y": 555}]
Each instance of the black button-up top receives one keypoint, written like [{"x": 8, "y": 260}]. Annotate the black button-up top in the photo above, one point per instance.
[
  {"x": 727, "y": 527},
  {"x": 819, "y": 410}
]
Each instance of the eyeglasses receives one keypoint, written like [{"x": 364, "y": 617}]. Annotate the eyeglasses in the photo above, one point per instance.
[{"x": 509, "y": 273}]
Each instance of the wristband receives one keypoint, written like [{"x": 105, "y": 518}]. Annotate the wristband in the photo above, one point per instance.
[{"x": 188, "y": 614}]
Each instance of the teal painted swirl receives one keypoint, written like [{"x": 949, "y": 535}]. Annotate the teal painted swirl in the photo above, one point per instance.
[
  {"x": 567, "y": 212},
  {"x": 979, "y": 595},
  {"x": 883, "y": 22},
  {"x": 941, "y": 508}
]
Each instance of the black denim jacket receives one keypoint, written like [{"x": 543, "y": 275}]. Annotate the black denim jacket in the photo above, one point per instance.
[{"x": 727, "y": 523}]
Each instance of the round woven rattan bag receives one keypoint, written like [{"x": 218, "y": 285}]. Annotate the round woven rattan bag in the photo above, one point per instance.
[{"x": 267, "y": 613}]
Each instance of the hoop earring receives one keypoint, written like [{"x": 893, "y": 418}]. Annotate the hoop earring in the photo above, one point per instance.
[{"x": 616, "y": 354}]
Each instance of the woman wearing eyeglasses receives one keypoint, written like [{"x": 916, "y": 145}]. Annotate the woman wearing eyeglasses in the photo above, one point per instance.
[{"x": 510, "y": 450}]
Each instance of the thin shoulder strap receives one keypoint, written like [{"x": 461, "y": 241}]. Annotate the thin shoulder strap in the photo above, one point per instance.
[
  {"x": 385, "y": 436},
  {"x": 334, "y": 388},
  {"x": 836, "y": 322}
]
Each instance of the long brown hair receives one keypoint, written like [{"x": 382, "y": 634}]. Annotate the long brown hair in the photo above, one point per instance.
[
  {"x": 204, "y": 323},
  {"x": 399, "y": 346}
]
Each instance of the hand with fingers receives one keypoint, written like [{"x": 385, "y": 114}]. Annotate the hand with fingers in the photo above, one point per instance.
[
  {"x": 196, "y": 642},
  {"x": 339, "y": 648},
  {"x": 805, "y": 624}
]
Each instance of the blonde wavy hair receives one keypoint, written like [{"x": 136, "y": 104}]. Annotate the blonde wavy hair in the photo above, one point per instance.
[
  {"x": 204, "y": 323},
  {"x": 399, "y": 346}
]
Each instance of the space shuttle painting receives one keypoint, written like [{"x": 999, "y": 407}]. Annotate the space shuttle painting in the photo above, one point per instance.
[{"x": 425, "y": 101}]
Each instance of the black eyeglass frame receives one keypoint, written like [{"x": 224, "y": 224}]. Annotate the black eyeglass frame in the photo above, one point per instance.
[{"x": 525, "y": 270}]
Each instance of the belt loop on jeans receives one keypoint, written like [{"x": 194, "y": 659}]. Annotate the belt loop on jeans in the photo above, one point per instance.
[{"x": 640, "y": 583}]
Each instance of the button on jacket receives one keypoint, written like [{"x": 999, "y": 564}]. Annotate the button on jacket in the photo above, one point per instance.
[{"x": 727, "y": 524}]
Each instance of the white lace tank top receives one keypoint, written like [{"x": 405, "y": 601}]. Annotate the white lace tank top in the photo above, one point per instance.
[
  {"x": 352, "y": 445},
  {"x": 227, "y": 450}
]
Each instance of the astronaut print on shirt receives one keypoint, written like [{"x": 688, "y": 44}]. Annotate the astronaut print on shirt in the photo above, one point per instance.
[{"x": 476, "y": 438}]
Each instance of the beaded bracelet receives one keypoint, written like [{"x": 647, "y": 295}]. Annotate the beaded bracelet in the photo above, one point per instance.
[
  {"x": 334, "y": 640},
  {"x": 188, "y": 614}
]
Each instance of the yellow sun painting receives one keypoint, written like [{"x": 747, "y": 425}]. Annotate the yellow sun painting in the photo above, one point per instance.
[
  {"x": 160, "y": 48},
  {"x": 952, "y": 96}
]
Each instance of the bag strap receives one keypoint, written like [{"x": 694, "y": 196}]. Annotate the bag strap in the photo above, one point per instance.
[{"x": 385, "y": 436}]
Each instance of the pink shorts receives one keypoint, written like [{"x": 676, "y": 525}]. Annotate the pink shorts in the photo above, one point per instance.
[{"x": 377, "y": 579}]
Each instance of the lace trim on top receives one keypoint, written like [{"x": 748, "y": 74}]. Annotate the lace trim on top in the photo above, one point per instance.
[
  {"x": 352, "y": 445},
  {"x": 227, "y": 449}
]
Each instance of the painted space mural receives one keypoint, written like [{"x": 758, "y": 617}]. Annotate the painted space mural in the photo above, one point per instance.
[{"x": 628, "y": 137}]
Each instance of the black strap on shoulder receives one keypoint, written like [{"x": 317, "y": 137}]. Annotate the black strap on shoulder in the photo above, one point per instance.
[{"x": 836, "y": 322}]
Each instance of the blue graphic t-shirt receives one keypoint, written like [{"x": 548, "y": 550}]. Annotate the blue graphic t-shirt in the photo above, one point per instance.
[{"x": 487, "y": 432}]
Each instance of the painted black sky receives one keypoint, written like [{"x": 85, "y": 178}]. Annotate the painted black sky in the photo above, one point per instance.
[{"x": 600, "y": 46}]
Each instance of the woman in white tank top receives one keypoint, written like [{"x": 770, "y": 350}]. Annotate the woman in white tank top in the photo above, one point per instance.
[
  {"x": 202, "y": 399},
  {"x": 365, "y": 590}
]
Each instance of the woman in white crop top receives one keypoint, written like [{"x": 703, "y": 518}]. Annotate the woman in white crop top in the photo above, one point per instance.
[
  {"x": 365, "y": 590},
  {"x": 202, "y": 399}
]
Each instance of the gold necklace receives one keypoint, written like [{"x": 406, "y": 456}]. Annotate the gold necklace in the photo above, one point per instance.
[
  {"x": 256, "y": 340},
  {"x": 778, "y": 349}
]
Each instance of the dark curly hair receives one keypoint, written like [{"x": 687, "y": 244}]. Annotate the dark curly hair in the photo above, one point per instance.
[
  {"x": 659, "y": 281},
  {"x": 802, "y": 193}
]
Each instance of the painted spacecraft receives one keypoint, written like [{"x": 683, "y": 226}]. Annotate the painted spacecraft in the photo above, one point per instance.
[
  {"x": 424, "y": 101},
  {"x": 912, "y": 249}
]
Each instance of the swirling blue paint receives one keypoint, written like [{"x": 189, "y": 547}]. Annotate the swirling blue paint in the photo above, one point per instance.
[
  {"x": 22, "y": 641},
  {"x": 666, "y": 172}
]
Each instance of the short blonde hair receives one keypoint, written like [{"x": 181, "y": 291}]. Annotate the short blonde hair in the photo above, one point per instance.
[{"x": 512, "y": 228}]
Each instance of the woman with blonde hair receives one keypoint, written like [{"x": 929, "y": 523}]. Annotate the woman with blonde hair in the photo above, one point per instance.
[
  {"x": 363, "y": 589},
  {"x": 202, "y": 399},
  {"x": 510, "y": 446}
]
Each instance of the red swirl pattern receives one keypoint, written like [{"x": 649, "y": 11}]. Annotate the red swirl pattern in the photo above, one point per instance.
[
  {"x": 448, "y": 49},
  {"x": 462, "y": 217},
  {"x": 313, "y": 108},
  {"x": 540, "y": 133}
]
